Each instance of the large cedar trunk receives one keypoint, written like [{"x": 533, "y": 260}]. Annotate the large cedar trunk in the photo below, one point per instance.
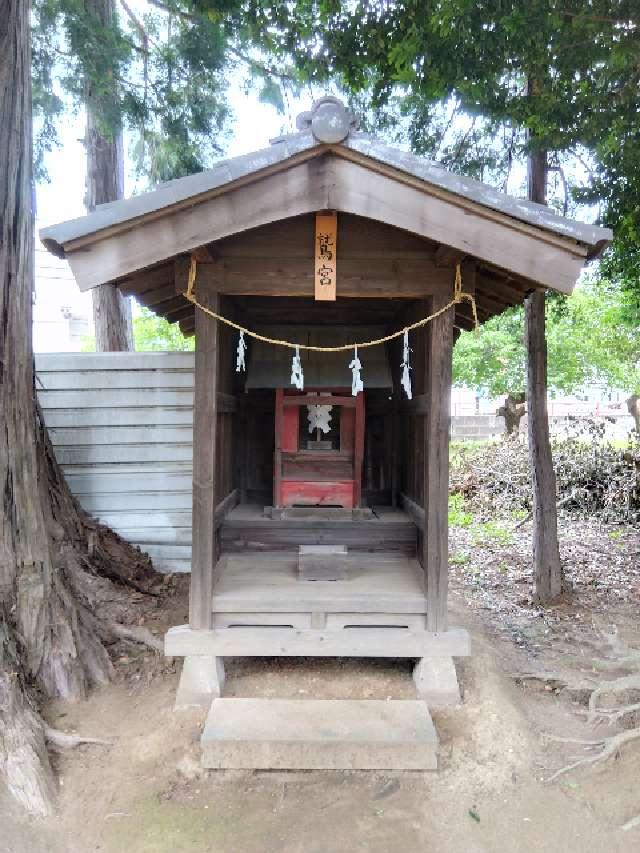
[
  {"x": 55, "y": 562},
  {"x": 105, "y": 182},
  {"x": 548, "y": 573}
]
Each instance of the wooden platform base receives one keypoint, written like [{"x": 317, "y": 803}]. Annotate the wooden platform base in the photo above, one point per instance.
[
  {"x": 276, "y": 641},
  {"x": 320, "y": 734},
  {"x": 247, "y": 527}
]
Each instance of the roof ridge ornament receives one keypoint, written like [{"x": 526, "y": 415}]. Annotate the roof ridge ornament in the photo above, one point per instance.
[{"x": 329, "y": 119}]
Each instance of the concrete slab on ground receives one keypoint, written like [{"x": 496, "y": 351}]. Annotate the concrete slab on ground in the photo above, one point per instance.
[{"x": 321, "y": 734}]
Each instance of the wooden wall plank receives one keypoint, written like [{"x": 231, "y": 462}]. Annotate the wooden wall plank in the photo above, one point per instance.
[{"x": 356, "y": 278}]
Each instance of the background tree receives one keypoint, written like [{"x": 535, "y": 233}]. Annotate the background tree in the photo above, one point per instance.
[
  {"x": 105, "y": 158},
  {"x": 153, "y": 333},
  {"x": 587, "y": 342}
]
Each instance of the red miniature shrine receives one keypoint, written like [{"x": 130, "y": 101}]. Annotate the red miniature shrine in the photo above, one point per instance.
[{"x": 318, "y": 465}]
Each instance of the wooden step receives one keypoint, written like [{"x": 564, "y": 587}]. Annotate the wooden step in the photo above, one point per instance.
[{"x": 320, "y": 734}]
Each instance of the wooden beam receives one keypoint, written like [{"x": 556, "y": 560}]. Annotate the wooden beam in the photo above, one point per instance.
[
  {"x": 411, "y": 508},
  {"x": 183, "y": 310},
  {"x": 224, "y": 507},
  {"x": 333, "y": 182},
  {"x": 445, "y": 256},
  {"x": 531, "y": 253},
  {"x": 147, "y": 279},
  {"x": 504, "y": 289},
  {"x": 294, "y": 277},
  {"x": 438, "y": 358},
  {"x": 286, "y": 642},
  {"x": 205, "y": 417}
]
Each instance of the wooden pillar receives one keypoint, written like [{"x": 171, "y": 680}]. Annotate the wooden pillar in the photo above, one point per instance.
[
  {"x": 437, "y": 363},
  {"x": 204, "y": 467},
  {"x": 358, "y": 450},
  {"x": 202, "y": 677}
]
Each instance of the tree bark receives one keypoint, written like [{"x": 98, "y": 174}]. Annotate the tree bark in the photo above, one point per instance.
[
  {"x": 633, "y": 407},
  {"x": 54, "y": 560},
  {"x": 512, "y": 410},
  {"x": 105, "y": 182},
  {"x": 548, "y": 572}
]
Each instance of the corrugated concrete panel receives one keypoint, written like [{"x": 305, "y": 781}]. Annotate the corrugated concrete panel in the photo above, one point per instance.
[{"x": 121, "y": 427}]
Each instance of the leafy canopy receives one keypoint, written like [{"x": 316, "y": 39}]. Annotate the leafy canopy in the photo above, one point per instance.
[{"x": 587, "y": 341}]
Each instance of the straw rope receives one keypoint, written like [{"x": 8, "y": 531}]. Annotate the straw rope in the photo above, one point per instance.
[{"x": 459, "y": 295}]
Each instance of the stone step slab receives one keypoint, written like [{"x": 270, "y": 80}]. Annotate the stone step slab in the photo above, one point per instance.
[{"x": 319, "y": 734}]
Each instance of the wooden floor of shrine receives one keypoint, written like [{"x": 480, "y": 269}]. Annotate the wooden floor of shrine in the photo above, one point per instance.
[
  {"x": 387, "y": 529},
  {"x": 257, "y": 581}
]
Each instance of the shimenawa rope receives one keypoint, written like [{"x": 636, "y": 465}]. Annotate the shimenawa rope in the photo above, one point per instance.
[{"x": 459, "y": 295}]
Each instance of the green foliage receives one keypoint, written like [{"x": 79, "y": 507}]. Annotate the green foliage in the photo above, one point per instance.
[
  {"x": 153, "y": 333},
  {"x": 587, "y": 340},
  {"x": 457, "y": 515},
  {"x": 162, "y": 74},
  {"x": 480, "y": 532}
]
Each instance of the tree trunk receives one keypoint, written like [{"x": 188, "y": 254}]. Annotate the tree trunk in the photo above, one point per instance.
[
  {"x": 633, "y": 407},
  {"x": 512, "y": 410},
  {"x": 548, "y": 572},
  {"x": 54, "y": 560},
  {"x": 105, "y": 182}
]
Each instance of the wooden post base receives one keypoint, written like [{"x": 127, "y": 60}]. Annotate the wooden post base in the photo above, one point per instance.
[
  {"x": 436, "y": 681},
  {"x": 202, "y": 680}
]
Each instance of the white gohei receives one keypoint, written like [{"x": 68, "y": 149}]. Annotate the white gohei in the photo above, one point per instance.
[
  {"x": 242, "y": 348},
  {"x": 319, "y": 417},
  {"x": 406, "y": 367},
  {"x": 356, "y": 381},
  {"x": 297, "y": 376}
]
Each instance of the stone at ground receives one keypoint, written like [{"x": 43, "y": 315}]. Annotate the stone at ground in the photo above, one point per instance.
[{"x": 319, "y": 734}]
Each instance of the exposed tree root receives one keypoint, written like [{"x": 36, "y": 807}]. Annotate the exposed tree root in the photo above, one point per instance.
[
  {"x": 610, "y": 749},
  {"x": 556, "y": 682},
  {"x": 137, "y": 634},
  {"x": 626, "y": 684},
  {"x": 71, "y": 599},
  {"x": 618, "y": 685},
  {"x": 613, "y": 715},
  {"x": 631, "y": 824},
  {"x": 64, "y": 740}
]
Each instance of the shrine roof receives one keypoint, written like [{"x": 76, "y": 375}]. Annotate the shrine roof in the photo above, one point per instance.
[{"x": 314, "y": 139}]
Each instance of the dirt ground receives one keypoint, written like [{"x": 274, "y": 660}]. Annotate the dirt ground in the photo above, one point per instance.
[{"x": 145, "y": 793}]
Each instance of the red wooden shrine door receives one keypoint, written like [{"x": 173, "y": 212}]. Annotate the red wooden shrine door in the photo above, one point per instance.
[{"x": 318, "y": 466}]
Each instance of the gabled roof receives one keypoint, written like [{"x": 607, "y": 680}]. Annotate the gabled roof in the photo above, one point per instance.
[
  {"x": 123, "y": 237},
  {"x": 189, "y": 188}
]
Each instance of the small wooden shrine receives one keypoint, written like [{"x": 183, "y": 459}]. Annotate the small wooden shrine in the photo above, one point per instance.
[{"x": 292, "y": 256}]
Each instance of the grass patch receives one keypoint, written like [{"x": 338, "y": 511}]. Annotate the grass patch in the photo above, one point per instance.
[{"x": 458, "y": 516}]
